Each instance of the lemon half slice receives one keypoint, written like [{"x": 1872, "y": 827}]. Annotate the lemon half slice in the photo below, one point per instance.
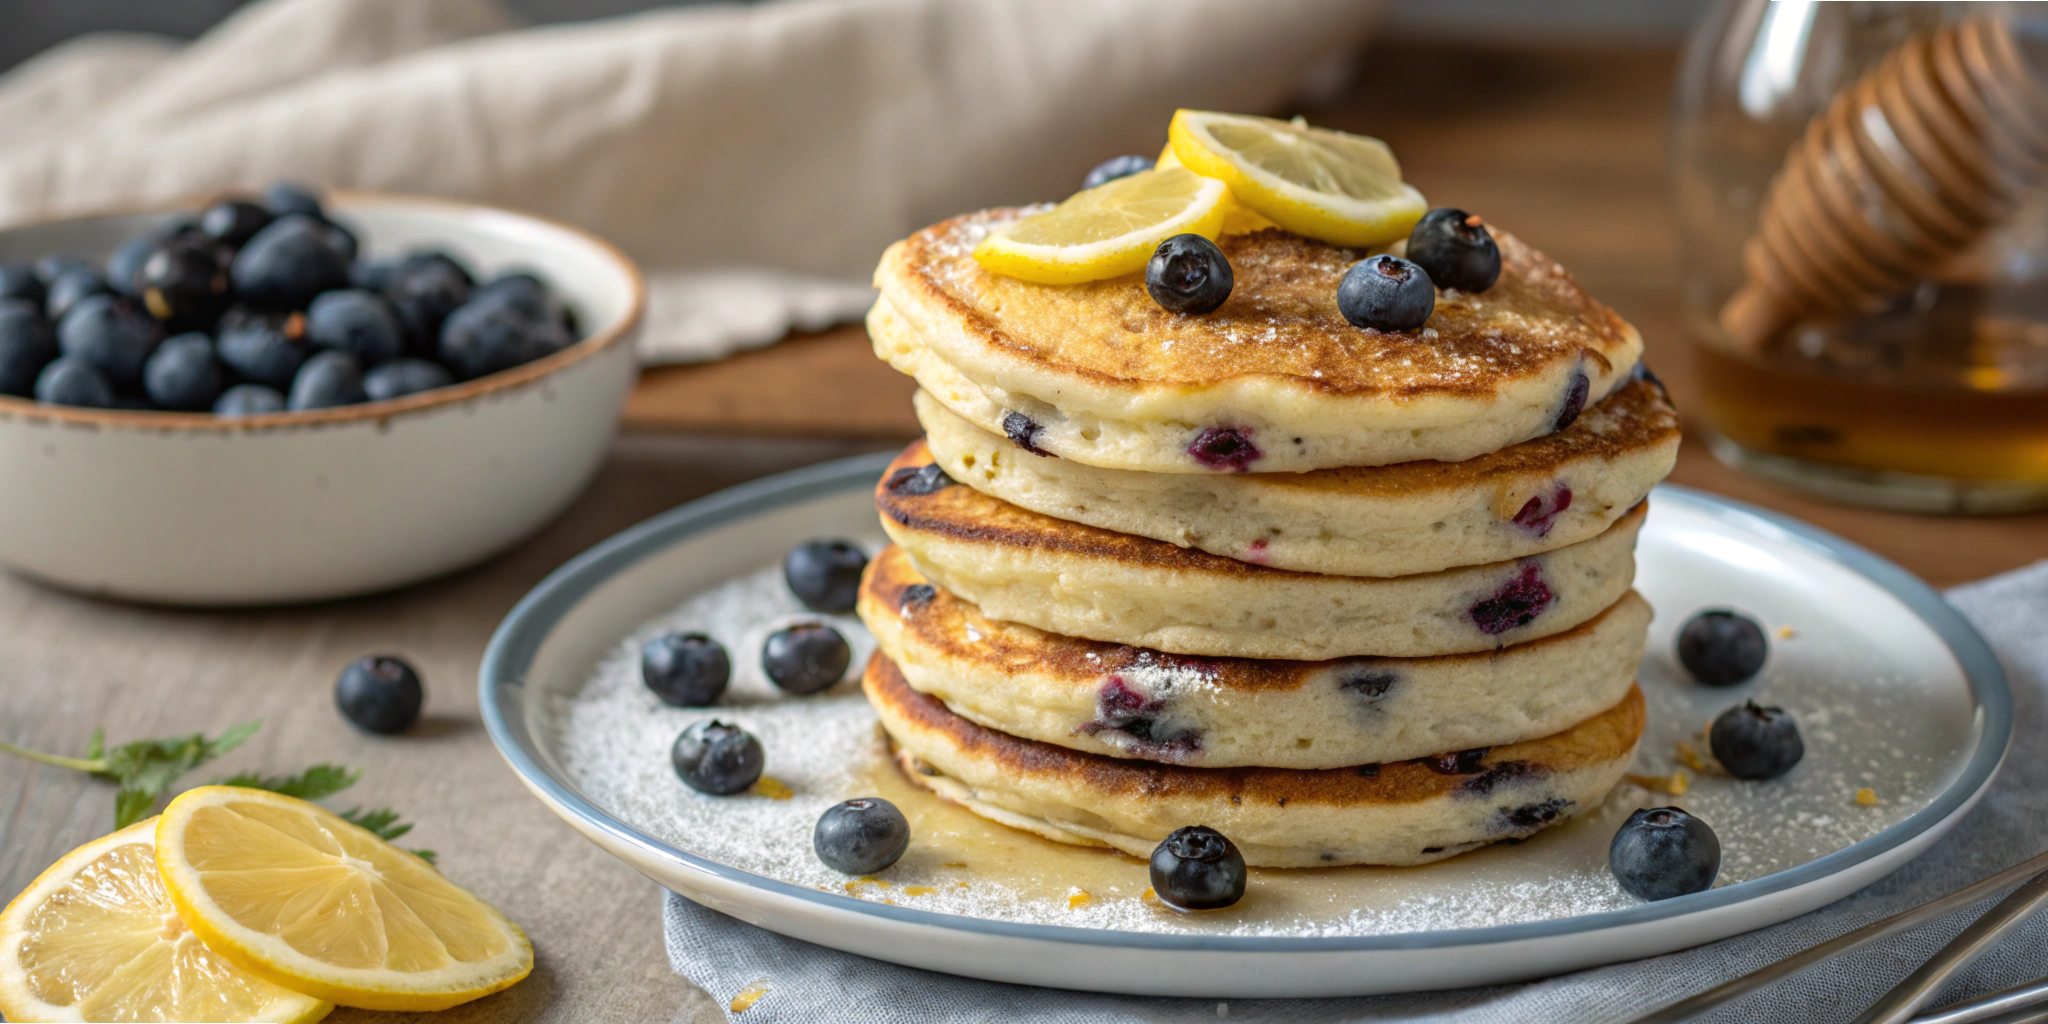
[
  {"x": 97, "y": 939},
  {"x": 1341, "y": 188},
  {"x": 290, "y": 892},
  {"x": 1106, "y": 231}
]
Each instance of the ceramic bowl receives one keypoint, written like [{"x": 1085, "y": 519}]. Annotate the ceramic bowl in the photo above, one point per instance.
[{"x": 193, "y": 509}]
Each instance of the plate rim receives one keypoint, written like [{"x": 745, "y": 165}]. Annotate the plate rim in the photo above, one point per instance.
[{"x": 520, "y": 635}]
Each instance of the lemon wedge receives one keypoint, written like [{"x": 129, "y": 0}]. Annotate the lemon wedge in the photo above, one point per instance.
[
  {"x": 1106, "y": 231},
  {"x": 290, "y": 892},
  {"x": 1341, "y": 188},
  {"x": 97, "y": 939}
]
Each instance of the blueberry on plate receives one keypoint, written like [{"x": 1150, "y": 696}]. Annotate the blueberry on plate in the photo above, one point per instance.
[
  {"x": 1664, "y": 852},
  {"x": 287, "y": 264},
  {"x": 287, "y": 197},
  {"x": 1197, "y": 868},
  {"x": 716, "y": 758},
  {"x": 1116, "y": 167},
  {"x": 233, "y": 222},
  {"x": 380, "y": 693},
  {"x": 328, "y": 379},
  {"x": 26, "y": 346},
  {"x": 1455, "y": 249},
  {"x": 111, "y": 333},
  {"x": 69, "y": 381},
  {"x": 249, "y": 400},
  {"x": 686, "y": 670},
  {"x": 423, "y": 290},
  {"x": 825, "y": 574},
  {"x": 1188, "y": 275},
  {"x": 861, "y": 836},
  {"x": 1386, "y": 293},
  {"x": 182, "y": 375},
  {"x": 1756, "y": 742},
  {"x": 263, "y": 348},
  {"x": 482, "y": 338},
  {"x": 357, "y": 322},
  {"x": 68, "y": 287},
  {"x": 1722, "y": 648},
  {"x": 18, "y": 281},
  {"x": 184, "y": 281},
  {"x": 400, "y": 377},
  {"x": 805, "y": 658}
]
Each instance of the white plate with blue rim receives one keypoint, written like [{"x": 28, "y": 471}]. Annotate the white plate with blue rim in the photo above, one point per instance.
[{"x": 1904, "y": 712}]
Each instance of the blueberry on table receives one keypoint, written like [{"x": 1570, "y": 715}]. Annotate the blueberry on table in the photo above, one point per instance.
[
  {"x": 18, "y": 281},
  {"x": 1756, "y": 742},
  {"x": 1197, "y": 868},
  {"x": 716, "y": 758},
  {"x": 1188, "y": 274},
  {"x": 482, "y": 338},
  {"x": 26, "y": 346},
  {"x": 182, "y": 374},
  {"x": 806, "y": 658},
  {"x": 287, "y": 264},
  {"x": 68, "y": 287},
  {"x": 1664, "y": 852},
  {"x": 328, "y": 379},
  {"x": 424, "y": 289},
  {"x": 233, "y": 222},
  {"x": 1455, "y": 249},
  {"x": 400, "y": 377},
  {"x": 286, "y": 197},
  {"x": 184, "y": 281},
  {"x": 380, "y": 693},
  {"x": 358, "y": 322},
  {"x": 263, "y": 348},
  {"x": 1722, "y": 648},
  {"x": 825, "y": 574},
  {"x": 1116, "y": 167},
  {"x": 69, "y": 381},
  {"x": 861, "y": 836},
  {"x": 249, "y": 400},
  {"x": 686, "y": 670},
  {"x": 1386, "y": 293},
  {"x": 113, "y": 334}
]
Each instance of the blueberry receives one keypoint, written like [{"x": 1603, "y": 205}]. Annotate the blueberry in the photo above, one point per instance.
[
  {"x": 482, "y": 338},
  {"x": 1197, "y": 868},
  {"x": 263, "y": 348},
  {"x": 1455, "y": 249},
  {"x": 401, "y": 377},
  {"x": 1515, "y": 604},
  {"x": 184, "y": 281},
  {"x": 1665, "y": 852},
  {"x": 1116, "y": 167},
  {"x": 380, "y": 693},
  {"x": 341, "y": 240},
  {"x": 18, "y": 281},
  {"x": 26, "y": 346},
  {"x": 111, "y": 333},
  {"x": 183, "y": 375},
  {"x": 127, "y": 261},
  {"x": 70, "y": 381},
  {"x": 288, "y": 197},
  {"x": 917, "y": 481},
  {"x": 1024, "y": 432},
  {"x": 525, "y": 292},
  {"x": 328, "y": 379},
  {"x": 1188, "y": 274},
  {"x": 824, "y": 574},
  {"x": 233, "y": 222},
  {"x": 805, "y": 659},
  {"x": 358, "y": 322},
  {"x": 1461, "y": 762},
  {"x": 687, "y": 670},
  {"x": 372, "y": 275},
  {"x": 50, "y": 268},
  {"x": 249, "y": 400},
  {"x": 288, "y": 263},
  {"x": 69, "y": 286},
  {"x": 1226, "y": 449},
  {"x": 1756, "y": 743},
  {"x": 1722, "y": 648},
  {"x": 424, "y": 289},
  {"x": 861, "y": 836},
  {"x": 1574, "y": 403},
  {"x": 716, "y": 758},
  {"x": 1386, "y": 293}
]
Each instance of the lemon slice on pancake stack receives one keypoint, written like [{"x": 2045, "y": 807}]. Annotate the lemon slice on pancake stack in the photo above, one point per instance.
[
  {"x": 1341, "y": 188},
  {"x": 1106, "y": 231}
]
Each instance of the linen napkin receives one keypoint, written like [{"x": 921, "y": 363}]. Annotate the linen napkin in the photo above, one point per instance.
[
  {"x": 812, "y": 983},
  {"x": 755, "y": 159}
]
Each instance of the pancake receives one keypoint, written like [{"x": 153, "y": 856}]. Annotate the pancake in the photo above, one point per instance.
[
  {"x": 1275, "y": 380},
  {"x": 1408, "y": 812},
  {"x": 1226, "y": 712},
  {"x": 1412, "y": 517},
  {"x": 1020, "y": 566}
]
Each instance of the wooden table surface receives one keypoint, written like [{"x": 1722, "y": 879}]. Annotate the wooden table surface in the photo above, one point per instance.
[{"x": 1565, "y": 148}]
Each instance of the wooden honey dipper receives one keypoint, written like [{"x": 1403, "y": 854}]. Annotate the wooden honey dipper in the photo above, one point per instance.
[{"x": 1905, "y": 168}]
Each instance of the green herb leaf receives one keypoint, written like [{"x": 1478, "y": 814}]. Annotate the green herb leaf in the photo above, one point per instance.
[
  {"x": 146, "y": 769},
  {"x": 321, "y": 780},
  {"x": 383, "y": 821},
  {"x": 426, "y": 855}
]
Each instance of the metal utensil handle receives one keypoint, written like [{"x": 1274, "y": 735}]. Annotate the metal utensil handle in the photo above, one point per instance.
[
  {"x": 1905, "y": 999},
  {"x": 1993, "y": 1006}
]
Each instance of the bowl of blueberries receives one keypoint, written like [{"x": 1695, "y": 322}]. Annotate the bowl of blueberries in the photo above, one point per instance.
[{"x": 281, "y": 396}]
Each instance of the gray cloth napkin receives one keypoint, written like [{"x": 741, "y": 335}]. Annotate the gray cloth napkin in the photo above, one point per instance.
[{"x": 812, "y": 983}]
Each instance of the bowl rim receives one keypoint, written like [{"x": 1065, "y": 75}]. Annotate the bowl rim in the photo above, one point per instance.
[{"x": 13, "y": 407}]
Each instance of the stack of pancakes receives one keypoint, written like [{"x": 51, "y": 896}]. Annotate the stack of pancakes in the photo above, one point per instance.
[{"x": 1346, "y": 596}]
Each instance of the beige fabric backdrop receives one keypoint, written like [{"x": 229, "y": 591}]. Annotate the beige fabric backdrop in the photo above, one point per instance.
[{"x": 779, "y": 146}]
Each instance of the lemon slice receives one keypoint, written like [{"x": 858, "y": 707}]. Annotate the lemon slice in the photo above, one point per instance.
[
  {"x": 290, "y": 892},
  {"x": 1106, "y": 231},
  {"x": 96, "y": 939},
  {"x": 1341, "y": 188}
]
